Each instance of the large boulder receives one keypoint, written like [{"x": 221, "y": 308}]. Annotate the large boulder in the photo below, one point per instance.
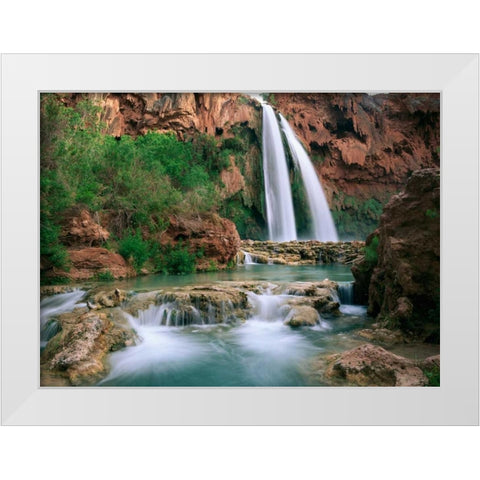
[
  {"x": 370, "y": 365},
  {"x": 76, "y": 355},
  {"x": 87, "y": 263},
  {"x": 302, "y": 315},
  {"x": 217, "y": 237}
]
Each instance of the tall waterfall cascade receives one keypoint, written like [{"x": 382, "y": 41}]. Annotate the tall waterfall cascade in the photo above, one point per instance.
[
  {"x": 278, "y": 193},
  {"x": 323, "y": 226}
]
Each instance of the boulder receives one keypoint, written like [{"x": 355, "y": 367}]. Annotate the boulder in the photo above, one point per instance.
[
  {"x": 216, "y": 236},
  {"x": 302, "y": 316},
  {"x": 88, "y": 262},
  {"x": 370, "y": 365},
  {"x": 112, "y": 298},
  {"x": 76, "y": 355}
]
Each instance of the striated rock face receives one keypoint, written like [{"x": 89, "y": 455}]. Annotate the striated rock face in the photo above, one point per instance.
[
  {"x": 404, "y": 288},
  {"x": 183, "y": 113},
  {"x": 90, "y": 261},
  {"x": 362, "y": 145},
  {"x": 218, "y": 237},
  {"x": 79, "y": 228},
  {"x": 369, "y": 365}
]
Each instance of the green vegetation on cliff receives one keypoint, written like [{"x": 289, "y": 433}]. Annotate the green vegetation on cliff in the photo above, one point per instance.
[
  {"x": 134, "y": 184},
  {"x": 355, "y": 218}
]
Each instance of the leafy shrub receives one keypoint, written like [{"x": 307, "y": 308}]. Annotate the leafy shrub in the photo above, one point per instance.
[
  {"x": 371, "y": 254},
  {"x": 234, "y": 144},
  {"x": 134, "y": 247},
  {"x": 433, "y": 376},
  {"x": 175, "y": 260},
  {"x": 106, "y": 276}
]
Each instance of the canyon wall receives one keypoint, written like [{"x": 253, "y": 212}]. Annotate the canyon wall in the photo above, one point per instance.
[
  {"x": 400, "y": 273},
  {"x": 363, "y": 147}
]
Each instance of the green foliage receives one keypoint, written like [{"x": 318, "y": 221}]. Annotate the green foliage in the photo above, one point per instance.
[
  {"x": 212, "y": 266},
  {"x": 354, "y": 218},
  {"x": 207, "y": 152},
  {"x": 54, "y": 280},
  {"x": 243, "y": 100},
  {"x": 271, "y": 99},
  {"x": 371, "y": 254},
  {"x": 235, "y": 144},
  {"x": 431, "y": 213},
  {"x": 135, "y": 248},
  {"x": 303, "y": 216},
  {"x": 138, "y": 183},
  {"x": 433, "y": 376},
  {"x": 106, "y": 276},
  {"x": 244, "y": 217},
  {"x": 175, "y": 260}
]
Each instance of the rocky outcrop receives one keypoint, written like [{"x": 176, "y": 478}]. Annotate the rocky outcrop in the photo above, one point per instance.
[
  {"x": 302, "y": 315},
  {"x": 80, "y": 229},
  {"x": 183, "y": 113},
  {"x": 308, "y": 252},
  {"x": 370, "y": 365},
  {"x": 109, "y": 299},
  {"x": 217, "y": 237},
  {"x": 404, "y": 288},
  {"x": 77, "y": 354},
  {"x": 89, "y": 263}
]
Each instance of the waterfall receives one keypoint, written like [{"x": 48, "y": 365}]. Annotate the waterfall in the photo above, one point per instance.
[
  {"x": 56, "y": 305},
  {"x": 248, "y": 259},
  {"x": 323, "y": 226},
  {"x": 268, "y": 307},
  {"x": 278, "y": 194},
  {"x": 172, "y": 313},
  {"x": 345, "y": 293}
]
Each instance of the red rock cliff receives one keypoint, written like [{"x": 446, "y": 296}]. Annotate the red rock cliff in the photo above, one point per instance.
[
  {"x": 365, "y": 146},
  {"x": 183, "y": 113},
  {"x": 404, "y": 285}
]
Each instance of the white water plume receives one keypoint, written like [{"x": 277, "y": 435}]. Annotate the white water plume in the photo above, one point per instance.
[
  {"x": 323, "y": 225},
  {"x": 278, "y": 193}
]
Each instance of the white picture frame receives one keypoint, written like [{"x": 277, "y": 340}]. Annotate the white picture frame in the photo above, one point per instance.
[{"x": 455, "y": 402}]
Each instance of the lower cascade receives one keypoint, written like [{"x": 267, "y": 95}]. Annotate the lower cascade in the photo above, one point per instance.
[
  {"x": 345, "y": 292},
  {"x": 251, "y": 332}
]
